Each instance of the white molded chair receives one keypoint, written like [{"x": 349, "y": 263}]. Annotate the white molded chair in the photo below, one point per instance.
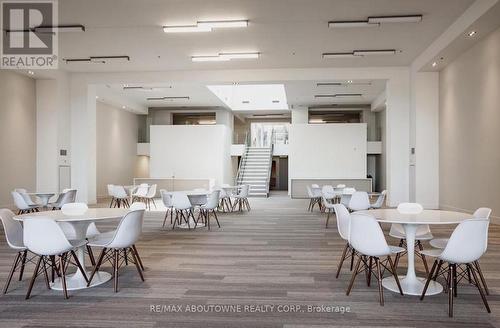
[
  {"x": 121, "y": 197},
  {"x": 466, "y": 245},
  {"x": 367, "y": 238},
  {"x": 167, "y": 202},
  {"x": 343, "y": 227},
  {"x": 328, "y": 193},
  {"x": 126, "y": 235},
  {"x": 328, "y": 207},
  {"x": 141, "y": 192},
  {"x": 183, "y": 209},
  {"x": 26, "y": 197},
  {"x": 313, "y": 199},
  {"x": 44, "y": 237},
  {"x": 480, "y": 213},
  {"x": 137, "y": 206},
  {"x": 69, "y": 231},
  {"x": 423, "y": 232},
  {"x": 150, "y": 196},
  {"x": 345, "y": 198},
  {"x": 241, "y": 198},
  {"x": 225, "y": 203},
  {"x": 21, "y": 204},
  {"x": 68, "y": 196},
  {"x": 14, "y": 235},
  {"x": 210, "y": 208},
  {"x": 111, "y": 194},
  {"x": 359, "y": 201},
  {"x": 380, "y": 200}
]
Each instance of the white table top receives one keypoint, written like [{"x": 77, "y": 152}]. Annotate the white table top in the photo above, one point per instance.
[
  {"x": 392, "y": 215},
  {"x": 92, "y": 214},
  {"x": 191, "y": 192},
  {"x": 41, "y": 193}
]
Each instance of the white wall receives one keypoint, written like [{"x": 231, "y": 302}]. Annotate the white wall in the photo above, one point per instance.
[
  {"x": 469, "y": 124},
  {"x": 426, "y": 138},
  {"x": 17, "y": 134},
  {"x": 190, "y": 151},
  {"x": 336, "y": 151},
  {"x": 116, "y": 156}
]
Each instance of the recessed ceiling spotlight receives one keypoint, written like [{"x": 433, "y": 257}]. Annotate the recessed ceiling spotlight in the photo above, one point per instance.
[
  {"x": 124, "y": 107},
  {"x": 471, "y": 34},
  {"x": 434, "y": 64},
  {"x": 349, "y": 81},
  {"x": 96, "y": 97},
  {"x": 205, "y": 26},
  {"x": 31, "y": 73}
]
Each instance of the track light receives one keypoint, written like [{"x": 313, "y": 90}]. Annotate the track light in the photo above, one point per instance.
[
  {"x": 375, "y": 21},
  {"x": 226, "y": 57},
  {"x": 205, "y": 26}
]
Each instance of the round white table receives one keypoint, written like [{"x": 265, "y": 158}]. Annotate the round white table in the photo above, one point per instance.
[
  {"x": 80, "y": 223},
  {"x": 43, "y": 196},
  {"x": 411, "y": 284},
  {"x": 196, "y": 198}
]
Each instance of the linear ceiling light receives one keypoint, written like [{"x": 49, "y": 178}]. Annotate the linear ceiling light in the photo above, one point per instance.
[
  {"x": 343, "y": 24},
  {"x": 328, "y": 55},
  {"x": 223, "y": 24},
  {"x": 226, "y": 57},
  {"x": 98, "y": 59},
  {"x": 395, "y": 19},
  {"x": 169, "y": 98},
  {"x": 374, "y": 52},
  {"x": 375, "y": 21},
  {"x": 60, "y": 29},
  {"x": 339, "y": 95},
  {"x": 358, "y": 53},
  {"x": 204, "y": 26},
  {"x": 339, "y": 84}
]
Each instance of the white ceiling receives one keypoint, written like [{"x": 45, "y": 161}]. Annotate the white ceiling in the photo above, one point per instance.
[
  {"x": 287, "y": 33},
  {"x": 298, "y": 93}
]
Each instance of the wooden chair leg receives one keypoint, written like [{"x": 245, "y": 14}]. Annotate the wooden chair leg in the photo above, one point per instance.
[
  {"x": 79, "y": 265},
  {"x": 216, "y": 218},
  {"x": 450, "y": 290},
  {"x": 478, "y": 285},
  {"x": 344, "y": 253},
  {"x": 97, "y": 266},
  {"x": 440, "y": 264},
  {"x": 394, "y": 272},
  {"x": 136, "y": 261},
  {"x": 379, "y": 281},
  {"x": 429, "y": 278},
  {"x": 327, "y": 218},
  {"x": 33, "y": 278},
  {"x": 483, "y": 281},
  {"x": 421, "y": 248},
  {"x": 352, "y": 259},
  {"x": 12, "y": 270},
  {"x": 23, "y": 264},
  {"x": 353, "y": 277},
  {"x": 115, "y": 269},
  {"x": 91, "y": 255},
  {"x": 45, "y": 273},
  {"x": 62, "y": 265},
  {"x": 138, "y": 257}
]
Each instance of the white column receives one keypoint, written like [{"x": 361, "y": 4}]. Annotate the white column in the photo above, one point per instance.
[
  {"x": 83, "y": 140},
  {"x": 398, "y": 138},
  {"x": 300, "y": 115},
  {"x": 425, "y": 126},
  {"x": 52, "y": 131}
]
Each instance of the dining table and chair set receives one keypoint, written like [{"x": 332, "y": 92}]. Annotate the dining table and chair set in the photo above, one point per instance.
[{"x": 455, "y": 259}]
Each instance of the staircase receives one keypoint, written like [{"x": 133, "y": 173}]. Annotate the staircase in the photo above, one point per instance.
[{"x": 255, "y": 170}]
